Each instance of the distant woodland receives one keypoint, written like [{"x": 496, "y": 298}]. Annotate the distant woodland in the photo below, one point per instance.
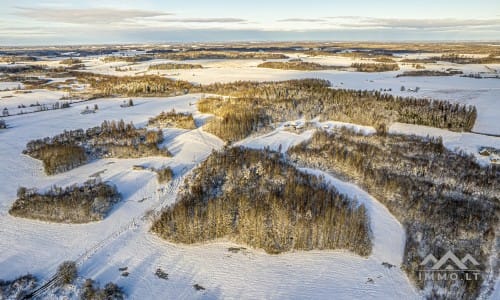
[
  {"x": 71, "y": 149},
  {"x": 375, "y": 67},
  {"x": 430, "y": 73},
  {"x": 73, "y": 204},
  {"x": 256, "y": 198},
  {"x": 171, "y": 66},
  {"x": 296, "y": 65},
  {"x": 149, "y": 85},
  {"x": 190, "y": 55},
  {"x": 445, "y": 200}
]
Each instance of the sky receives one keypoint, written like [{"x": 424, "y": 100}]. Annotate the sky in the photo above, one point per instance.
[{"x": 56, "y": 22}]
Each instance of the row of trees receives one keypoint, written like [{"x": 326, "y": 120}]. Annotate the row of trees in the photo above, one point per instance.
[
  {"x": 430, "y": 73},
  {"x": 257, "y": 198},
  {"x": 446, "y": 201},
  {"x": 71, "y": 149},
  {"x": 73, "y": 204},
  {"x": 172, "y": 66},
  {"x": 375, "y": 67}
]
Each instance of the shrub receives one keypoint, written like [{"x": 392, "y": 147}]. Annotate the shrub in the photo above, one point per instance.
[{"x": 67, "y": 272}]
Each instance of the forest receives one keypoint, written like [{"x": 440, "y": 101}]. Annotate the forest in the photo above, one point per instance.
[
  {"x": 171, "y": 66},
  {"x": 254, "y": 106},
  {"x": 296, "y": 65},
  {"x": 71, "y": 149},
  {"x": 84, "y": 203},
  {"x": 256, "y": 198},
  {"x": 445, "y": 200},
  {"x": 375, "y": 67},
  {"x": 430, "y": 73},
  {"x": 172, "y": 119},
  {"x": 202, "y": 54},
  {"x": 148, "y": 85}
]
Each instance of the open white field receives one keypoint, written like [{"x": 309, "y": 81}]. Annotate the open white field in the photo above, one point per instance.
[{"x": 123, "y": 239}]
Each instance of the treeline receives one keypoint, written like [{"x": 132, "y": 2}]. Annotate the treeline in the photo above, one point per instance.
[
  {"x": 129, "y": 59},
  {"x": 375, "y": 67},
  {"x": 172, "y": 66},
  {"x": 446, "y": 201},
  {"x": 457, "y": 59},
  {"x": 256, "y": 198},
  {"x": 71, "y": 149},
  {"x": 193, "y": 54},
  {"x": 129, "y": 86},
  {"x": 254, "y": 105},
  {"x": 430, "y": 73},
  {"x": 73, "y": 204},
  {"x": 296, "y": 65},
  {"x": 463, "y": 59},
  {"x": 173, "y": 119},
  {"x": 71, "y": 61}
]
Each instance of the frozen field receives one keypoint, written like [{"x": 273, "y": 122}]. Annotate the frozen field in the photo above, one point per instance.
[{"x": 123, "y": 239}]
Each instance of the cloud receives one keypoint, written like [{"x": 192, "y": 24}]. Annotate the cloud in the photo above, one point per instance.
[
  {"x": 423, "y": 24},
  {"x": 204, "y": 20},
  {"x": 301, "y": 20},
  {"x": 85, "y": 15}
]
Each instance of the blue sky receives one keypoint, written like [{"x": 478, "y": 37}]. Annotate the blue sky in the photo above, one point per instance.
[{"x": 28, "y": 22}]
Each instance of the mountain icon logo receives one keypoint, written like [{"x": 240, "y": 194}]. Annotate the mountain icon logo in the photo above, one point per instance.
[{"x": 450, "y": 262}]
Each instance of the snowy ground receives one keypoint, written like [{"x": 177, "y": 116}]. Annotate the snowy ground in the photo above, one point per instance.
[{"x": 122, "y": 239}]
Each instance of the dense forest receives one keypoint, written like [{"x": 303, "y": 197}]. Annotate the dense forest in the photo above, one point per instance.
[
  {"x": 296, "y": 65},
  {"x": 148, "y": 85},
  {"x": 172, "y": 119},
  {"x": 375, "y": 67},
  {"x": 71, "y": 149},
  {"x": 430, "y": 73},
  {"x": 171, "y": 66},
  {"x": 256, "y": 198},
  {"x": 254, "y": 106},
  {"x": 445, "y": 201},
  {"x": 74, "y": 204}
]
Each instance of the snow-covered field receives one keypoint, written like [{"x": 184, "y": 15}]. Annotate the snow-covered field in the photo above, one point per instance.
[{"x": 123, "y": 239}]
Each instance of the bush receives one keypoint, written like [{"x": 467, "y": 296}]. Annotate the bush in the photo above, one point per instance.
[
  {"x": 67, "y": 272},
  {"x": 111, "y": 291}
]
